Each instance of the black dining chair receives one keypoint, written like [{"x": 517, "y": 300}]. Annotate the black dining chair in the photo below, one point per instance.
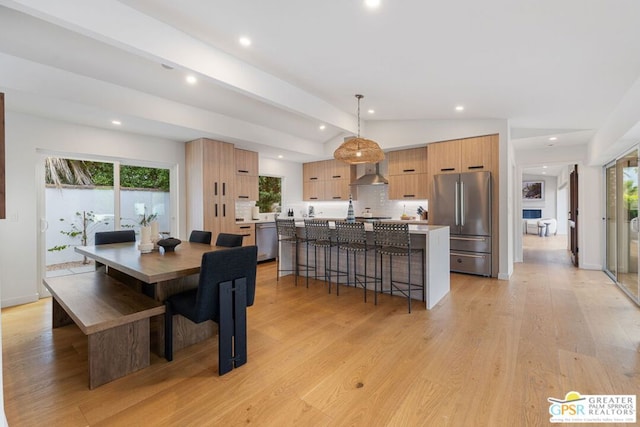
[
  {"x": 199, "y": 236},
  {"x": 120, "y": 236},
  {"x": 229, "y": 240},
  {"x": 225, "y": 289}
]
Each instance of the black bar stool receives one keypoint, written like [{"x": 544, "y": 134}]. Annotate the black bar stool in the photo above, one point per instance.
[
  {"x": 352, "y": 238},
  {"x": 393, "y": 239},
  {"x": 318, "y": 235},
  {"x": 288, "y": 234}
]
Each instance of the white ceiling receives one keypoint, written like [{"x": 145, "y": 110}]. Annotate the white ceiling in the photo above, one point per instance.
[{"x": 565, "y": 69}]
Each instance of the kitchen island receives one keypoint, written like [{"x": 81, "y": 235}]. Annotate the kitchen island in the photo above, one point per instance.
[{"x": 432, "y": 239}]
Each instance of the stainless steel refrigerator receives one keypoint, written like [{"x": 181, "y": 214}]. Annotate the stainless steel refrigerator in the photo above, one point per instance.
[{"x": 463, "y": 202}]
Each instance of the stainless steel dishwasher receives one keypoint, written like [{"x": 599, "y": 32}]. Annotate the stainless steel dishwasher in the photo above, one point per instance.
[{"x": 266, "y": 240}]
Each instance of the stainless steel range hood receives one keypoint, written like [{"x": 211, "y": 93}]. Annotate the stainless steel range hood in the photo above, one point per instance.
[{"x": 371, "y": 176}]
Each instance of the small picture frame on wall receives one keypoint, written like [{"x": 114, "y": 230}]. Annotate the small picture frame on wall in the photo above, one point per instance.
[{"x": 533, "y": 190}]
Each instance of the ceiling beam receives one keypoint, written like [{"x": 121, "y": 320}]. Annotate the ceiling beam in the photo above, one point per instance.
[{"x": 119, "y": 25}]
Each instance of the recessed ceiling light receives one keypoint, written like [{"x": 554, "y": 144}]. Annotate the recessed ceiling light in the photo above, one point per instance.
[
  {"x": 245, "y": 41},
  {"x": 322, "y": 127},
  {"x": 553, "y": 138},
  {"x": 191, "y": 79},
  {"x": 280, "y": 156},
  {"x": 372, "y": 4},
  {"x": 544, "y": 167},
  {"x": 116, "y": 122},
  {"x": 371, "y": 111},
  {"x": 459, "y": 108}
]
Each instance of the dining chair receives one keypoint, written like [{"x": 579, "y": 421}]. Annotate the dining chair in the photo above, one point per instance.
[
  {"x": 199, "y": 236},
  {"x": 119, "y": 236},
  {"x": 229, "y": 240},
  {"x": 225, "y": 289}
]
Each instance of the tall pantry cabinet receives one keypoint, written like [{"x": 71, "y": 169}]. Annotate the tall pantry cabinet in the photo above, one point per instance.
[{"x": 210, "y": 174}]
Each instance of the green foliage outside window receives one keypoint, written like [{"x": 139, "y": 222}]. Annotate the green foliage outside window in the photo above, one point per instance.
[
  {"x": 78, "y": 172},
  {"x": 270, "y": 194}
]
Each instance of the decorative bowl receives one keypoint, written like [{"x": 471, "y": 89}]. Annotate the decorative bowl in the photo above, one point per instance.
[{"x": 169, "y": 244}]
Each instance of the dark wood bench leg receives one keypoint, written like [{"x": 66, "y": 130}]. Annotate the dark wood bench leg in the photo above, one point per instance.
[
  {"x": 59, "y": 317},
  {"x": 118, "y": 351}
]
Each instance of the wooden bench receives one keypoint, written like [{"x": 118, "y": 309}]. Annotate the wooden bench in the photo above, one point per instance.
[{"x": 113, "y": 316}]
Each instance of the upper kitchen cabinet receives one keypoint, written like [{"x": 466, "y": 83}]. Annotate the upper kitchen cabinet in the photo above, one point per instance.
[
  {"x": 247, "y": 181},
  {"x": 444, "y": 157},
  {"x": 246, "y": 162},
  {"x": 413, "y": 160},
  {"x": 247, "y": 188},
  {"x": 210, "y": 178},
  {"x": 327, "y": 180},
  {"x": 314, "y": 171},
  {"x": 476, "y": 153},
  {"x": 337, "y": 170},
  {"x": 462, "y": 155},
  {"x": 408, "y": 174}
]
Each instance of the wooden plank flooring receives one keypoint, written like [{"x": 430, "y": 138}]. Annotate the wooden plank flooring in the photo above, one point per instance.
[{"x": 490, "y": 354}]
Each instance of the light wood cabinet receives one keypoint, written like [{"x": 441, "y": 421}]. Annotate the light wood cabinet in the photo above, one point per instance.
[
  {"x": 246, "y": 162},
  {"x": 476, "y": 153},
  {"x": 336, "y": 170},
  {"x": 313, "y": 190},
  {"x": 462, "y": 155},
  {"x": 246, "y": 170},
  {"x": 327, "y": 180},
  {"x": 409, "y": 161},
  {"x": 246, "y": 188},
  {"x": 444, "y": 157},
  {"x": 313, "y": 171},
  {"x": 210, "y": 178},
  {"x": 336, "y": 190},
  {"x": 408, "y": 174},
  {"x": 248, "y": 231},
  {"x": 408, "y": 187}
]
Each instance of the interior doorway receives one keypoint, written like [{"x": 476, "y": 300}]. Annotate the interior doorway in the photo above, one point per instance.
[{"x": 573, "y": 216}]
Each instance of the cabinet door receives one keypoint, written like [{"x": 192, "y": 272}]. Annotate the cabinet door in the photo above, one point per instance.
[
  {"x": 246, "y": 162},
  {"x": 314, "y": 171},
  {"x": 408, "y": 187},
  {"x": 227, "y": 176},
  {"x": 476, "y": 153},
  {"x": 444, "y": 157},
  {"x": 313, "y": 190},
  {"x": 248, "y": 233},
  {"x": 246, "y": 188},
  {"x": 337, "y": 170},
  {"x": 403, "y": 162},
  {"x": 337, "y": 190}
]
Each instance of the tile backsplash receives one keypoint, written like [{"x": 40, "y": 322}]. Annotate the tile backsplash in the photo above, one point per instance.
[{"x": 374, "y": 197}]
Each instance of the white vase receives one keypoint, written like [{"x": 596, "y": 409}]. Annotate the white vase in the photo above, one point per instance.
[
  {"x": 145, "y": 234},
  {"x": 154, "y": 231}
]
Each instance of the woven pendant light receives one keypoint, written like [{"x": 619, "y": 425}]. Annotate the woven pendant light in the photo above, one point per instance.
[{"x": 359, "y": 150}]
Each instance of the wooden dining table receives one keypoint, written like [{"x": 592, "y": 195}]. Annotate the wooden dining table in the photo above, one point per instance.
[{"x": 158, "y": 274}]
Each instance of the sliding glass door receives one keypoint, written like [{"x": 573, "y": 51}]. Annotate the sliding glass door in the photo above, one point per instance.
[
  {"x": 82, "y": 197},
  {"x": 622, "y": 223}
]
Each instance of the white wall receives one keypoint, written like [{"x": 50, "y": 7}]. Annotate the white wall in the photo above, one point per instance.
[{"x": 25, "y": 137}]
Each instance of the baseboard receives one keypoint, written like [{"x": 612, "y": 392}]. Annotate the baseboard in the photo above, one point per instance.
[{"x": 25, "y": 299}]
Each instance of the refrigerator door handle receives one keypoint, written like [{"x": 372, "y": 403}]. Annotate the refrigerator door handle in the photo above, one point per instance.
[
  {"x": 455, "y": 207},
  {"x": 462, "y": 213}
]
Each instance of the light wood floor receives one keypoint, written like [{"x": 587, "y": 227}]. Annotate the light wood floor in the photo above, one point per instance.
[{"x": 490, "y": 354}]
